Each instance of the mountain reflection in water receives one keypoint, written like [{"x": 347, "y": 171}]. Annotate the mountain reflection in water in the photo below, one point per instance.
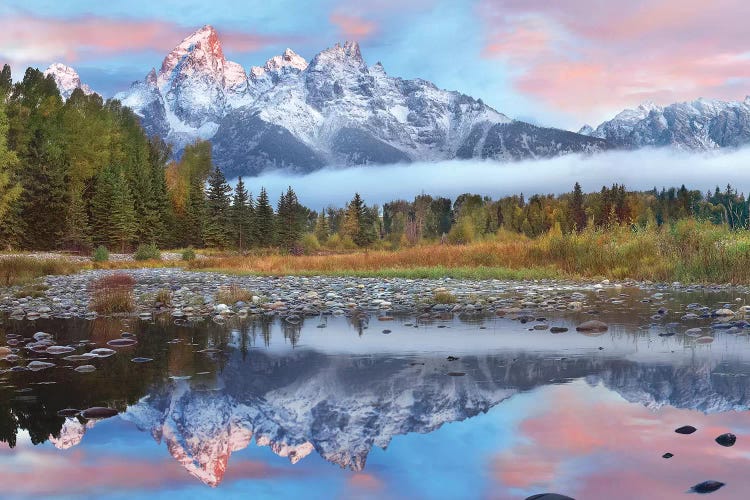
[{"x": 540, "y": 411}]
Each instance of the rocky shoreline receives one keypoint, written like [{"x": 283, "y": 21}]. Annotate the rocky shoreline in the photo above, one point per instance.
[{"x": 194, "y": 294}]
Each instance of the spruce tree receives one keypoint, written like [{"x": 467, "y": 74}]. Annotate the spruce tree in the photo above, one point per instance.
[
  {"x": 578, "y": 213},
  {"x": 101, "y": 206},
  {"x": 241, "y": 216},
  {"x": 9, "y": 189},
  {"x": 263, "y": 224},
  {"x": 322, "y": 229},
  {"x": 217, "y": 230},
  {"x": 77, "y": 235},
  {"x": 122, "y": 214},
  {"x": 289, "y": 220}
]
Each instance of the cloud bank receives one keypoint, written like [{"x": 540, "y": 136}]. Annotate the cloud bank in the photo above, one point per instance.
[{"x": 639, "y": 170}]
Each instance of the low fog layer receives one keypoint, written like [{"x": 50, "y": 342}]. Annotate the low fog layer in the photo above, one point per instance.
[{"x": 642, "y": 169}]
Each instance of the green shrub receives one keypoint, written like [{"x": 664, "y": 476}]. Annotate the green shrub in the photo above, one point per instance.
[
  {"x": 462, "y": 233},
  {"x": 101, "y": 254},
  {"x": 310, "y": 244},
  {"x": 188, "y": 254},
  {"x": 147, "y": 252}
]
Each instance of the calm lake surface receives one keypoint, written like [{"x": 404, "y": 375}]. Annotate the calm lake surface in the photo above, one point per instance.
[{"x": 337, "y": 408}]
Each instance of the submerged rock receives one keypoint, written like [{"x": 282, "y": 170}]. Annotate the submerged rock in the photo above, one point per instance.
[
  {"x": 85, "y": 369},
  {"x": 706, "y": 487},
  {"x": 36, "y": 366},
  {"x": 99, "y": 412},
  {"x": 122, "y": 342},
  {"x": 727, "y": 439},
  {"x": 685, "y": 429},
  {"x": 592, "y": 326},
  {"x": 102, "y": 352}
]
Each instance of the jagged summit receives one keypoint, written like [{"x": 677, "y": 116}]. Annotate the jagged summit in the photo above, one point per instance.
[
  {"x": 67, "y": 80},
  {"x": 333, "y": 111},
  {"x": 702, "y": 124}
]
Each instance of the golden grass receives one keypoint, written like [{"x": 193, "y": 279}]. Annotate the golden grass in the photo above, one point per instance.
[
  {"x": 689, "y": 251},
  {"x": 232, "y": 294},
  {"x": 21, "y": 270},
  {"x": 113, "y": 294}
]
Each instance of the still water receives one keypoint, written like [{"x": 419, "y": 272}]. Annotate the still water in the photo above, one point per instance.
[{"x": 337, "y": 408}]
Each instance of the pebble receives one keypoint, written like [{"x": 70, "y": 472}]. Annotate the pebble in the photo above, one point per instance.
[
  {"x": 727, "y": 439},
  {"x": 85, "y": 369},
  {"x": 707, "y": 487},
  {"x": 685, "y": 429}
]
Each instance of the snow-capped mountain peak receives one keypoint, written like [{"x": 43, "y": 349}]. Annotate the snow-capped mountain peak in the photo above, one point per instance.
[
  {"x": 702, "y": 124},
  {"x": 333, "y": 111},
  {"x": 67, "y": 80},
  {"x": 288, "y": 58}
]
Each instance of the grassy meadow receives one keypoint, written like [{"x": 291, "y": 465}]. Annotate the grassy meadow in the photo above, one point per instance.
[{"x": 687, "y": 251}]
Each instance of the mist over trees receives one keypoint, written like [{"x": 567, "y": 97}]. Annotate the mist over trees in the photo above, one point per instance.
[{"x": 81, "y": 173}]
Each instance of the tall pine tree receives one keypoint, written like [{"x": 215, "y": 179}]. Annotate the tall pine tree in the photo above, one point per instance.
[
  {"x": 263, "y": 224},
  {"x": 242, "y": 217},
  {"x": 217, "y": 229}
]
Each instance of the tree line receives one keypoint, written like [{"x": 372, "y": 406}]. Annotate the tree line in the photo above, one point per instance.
[{"x": 82, "y": 173}]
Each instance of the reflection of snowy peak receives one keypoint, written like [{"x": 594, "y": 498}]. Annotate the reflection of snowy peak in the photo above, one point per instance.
[
  {"x": 698, "y": 125},
  {"x": 340, "y": 409},
  {"x": 336, "y": 110},
  {"x": 71, "y": 433},
  {"x": 67, "y": 80}
]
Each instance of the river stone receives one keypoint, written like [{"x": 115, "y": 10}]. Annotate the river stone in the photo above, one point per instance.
[
  {"x": 694, "y": 332},
  {"x": 558, "y": 329},
  {"x": 706, "y": 487},
  {"x": 724, "y": 312},
  {"x": 592, "y": 326},
  {"x": 727, "y": 439},
  {"x": 80, "y": 357},
  {"x": 99, "y": 412},
  {"x": 59, "y": 349},
  {"x": 122, "y": 342},
  {"x": 685, "y": 429},
  {"x": 667, "y": 455},
  {"x": 4, "y": 350},
  {"x": 42, "y": 336},
  {"x": 36, "y": 366},
  {"x": 85, "y": 369},
  {"x": 102, "y": 352},
  {"x": 704, "y": 340},
  {"x": 141, "y": 360}
]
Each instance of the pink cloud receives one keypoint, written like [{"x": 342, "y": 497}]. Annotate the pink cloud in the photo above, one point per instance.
[
  {"x": 584, "y": 446},
  {"x": 590, "y": 56},
  {"x": 353, "y": 27},
  {"x": 40, "y": 39}
]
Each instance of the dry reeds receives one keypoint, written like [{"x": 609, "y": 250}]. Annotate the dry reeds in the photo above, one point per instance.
[{"x": 113, "y": 294}]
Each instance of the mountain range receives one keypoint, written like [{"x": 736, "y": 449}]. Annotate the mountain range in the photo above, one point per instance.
[{"x": 336, "y": 110}]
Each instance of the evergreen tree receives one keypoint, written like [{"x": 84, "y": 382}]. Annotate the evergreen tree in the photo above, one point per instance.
[
  {"x": 217, "y": 229},
  {"x": 122, "y": 215},
  {"x": 5, "y": 82},
  {"x": 577, "y": 212},
  {"x": 290, "y": 220},
  {"x": 263, "y": 224},
  {"x": 9, "y": 189},
  {"x": 77, "y": 235},
  {"x": 359, "y": 222},
  {"x": 242, "y": 216},
  {"x": 101, "y": 208},
  {"x": 322, "y": 229}
]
